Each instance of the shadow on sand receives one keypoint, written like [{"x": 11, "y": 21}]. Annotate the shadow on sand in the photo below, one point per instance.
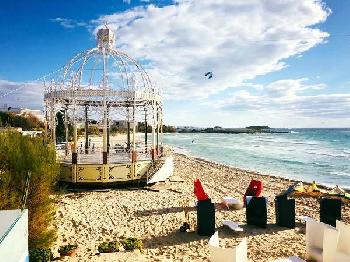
[
  {"x": 176, "y": 237},
  {"x": 173, "y": 238},
  {"x": 166, "y": 210},
  {"x": 162, "y": 211}
]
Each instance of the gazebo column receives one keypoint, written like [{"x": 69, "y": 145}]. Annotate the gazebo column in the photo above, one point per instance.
[
  {"x": 66, "y": 129},
  {"x": 133, "y": 152},
  {"x": 146, "y": 130},
  {"x": 128, "y": 131},
  {"x": 153, "y": 151},
  {"x": 108, "y": 131},
  {"x": 104, "y": 48},
  {"x": 46, "y": 123},
  {"x": 86, "y": 130},
  {"x": 53, "y": 124},
  {"x": 75, "y": 143},
  {"x": 157, "y": 148},
  {"x": 104, "y": 153},
  {"x": 74, "y": 152},
  {"x": 54, "y": 132},
  {"x": 161, "y": 133}
]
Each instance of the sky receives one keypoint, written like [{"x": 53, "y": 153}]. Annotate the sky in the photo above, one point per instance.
[{"x": 281, "y": 63}]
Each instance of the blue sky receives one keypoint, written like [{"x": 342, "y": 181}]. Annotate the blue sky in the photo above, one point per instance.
[{"x": 283, "y": 65}]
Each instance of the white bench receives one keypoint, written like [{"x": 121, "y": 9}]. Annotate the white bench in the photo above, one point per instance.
[
  {"x": 289, "y": 259},
  {"x": 232, "y": 225},
  {"x": 235, "y": 254}
]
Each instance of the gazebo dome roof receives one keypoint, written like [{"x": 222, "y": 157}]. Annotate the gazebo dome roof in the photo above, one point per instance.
[{"x": 103, "y": 73}]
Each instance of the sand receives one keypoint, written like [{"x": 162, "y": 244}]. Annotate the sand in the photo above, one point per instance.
[
  {"x": 114, "y": 139},
  {"x": 90, "y": 217}
]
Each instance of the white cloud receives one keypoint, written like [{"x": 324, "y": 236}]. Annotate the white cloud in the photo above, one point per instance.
[
  {"x": 21, "y": 94},
  {"x": 285, "y": 98},
  {"x": 289, "y": 88},
  {"x": 68, "y": 23},
  {"x": 236, "y": 40}
]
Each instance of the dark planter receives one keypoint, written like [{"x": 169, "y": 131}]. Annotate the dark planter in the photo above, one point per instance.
[
  {"x": 330, "y": 211},
  {"x": 205, "y": 218},
  {"x": 285, "y": 211},
  {"x": 256, "y": 212}
]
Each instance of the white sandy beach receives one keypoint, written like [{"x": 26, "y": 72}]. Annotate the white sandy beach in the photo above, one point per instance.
[{"x": 90, "y": 217}]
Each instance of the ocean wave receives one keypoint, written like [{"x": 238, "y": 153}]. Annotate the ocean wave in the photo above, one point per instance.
[
  {"x": 336, "y": 155},
  {"x": 289, "y": 161},
  {"x": 181, "y": 150},
  {"x": 261, "y": 139},
  {"x": 303, "y": 143},
  {"x": 321, "y": 164},
  {"x": 303, "y": 157},
  {"x": 286, "y": 142},
  {"x": 344, "y": 174}
]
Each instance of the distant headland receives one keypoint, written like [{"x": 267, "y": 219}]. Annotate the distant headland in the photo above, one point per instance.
[{"x": 218, "y": 129}]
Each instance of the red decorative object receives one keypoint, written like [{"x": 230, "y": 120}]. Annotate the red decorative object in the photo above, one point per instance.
[
  {"x": 199, "y": 191},
  {"x": 254, "y": 189}
]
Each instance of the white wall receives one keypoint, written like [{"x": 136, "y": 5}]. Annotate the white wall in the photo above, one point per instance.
[{"x": 14, "y": 235}]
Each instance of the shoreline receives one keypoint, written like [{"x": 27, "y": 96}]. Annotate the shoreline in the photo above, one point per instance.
[
  {"x": 320, "y": 185},
  {"x": 90, "y": 217}
]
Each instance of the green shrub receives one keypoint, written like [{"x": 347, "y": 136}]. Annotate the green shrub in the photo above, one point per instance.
[
  {"x": 26, "y": 122},
  {"x": 40, "y": 255},
  {"x": 132, "y": 243},
  {"x": 18, "y": 155},
  {"x": 64, "y": 250},
  {"x": 108, "y": 247}
]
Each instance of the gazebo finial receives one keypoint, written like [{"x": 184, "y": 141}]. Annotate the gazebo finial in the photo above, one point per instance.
[{"x": 105, "y": 38}]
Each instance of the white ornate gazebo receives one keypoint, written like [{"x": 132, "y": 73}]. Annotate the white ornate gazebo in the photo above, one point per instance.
[{"x": 104, "y": 84}]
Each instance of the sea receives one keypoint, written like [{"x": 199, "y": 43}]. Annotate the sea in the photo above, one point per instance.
[{"x": 321, "y": 155}]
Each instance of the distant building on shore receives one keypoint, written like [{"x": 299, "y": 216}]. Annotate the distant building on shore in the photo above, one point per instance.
[
  {"x": 35, "y": 112},
  {"x": 12, "y": 129},
  {"x": 258, "y": 127},
  {"x": 218, "y": 129},
  {"x": 10, "y": 109},
  {"x": 185, "y": 129},
  {"x": 22, "y": 111},
  {"x": 31, "y": 133}
]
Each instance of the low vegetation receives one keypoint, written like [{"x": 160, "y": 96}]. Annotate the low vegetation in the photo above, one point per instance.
[
  {"x": 132, "y": 243},
  {"x": 109, "y": 247},
  {"x": 26, "y": 122},
  {"x": 18, "y": 156},
  {"x": 40, "y": 254},
  {"x": 165, "y": 128},
  {"x": 67, "y": 249}
]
